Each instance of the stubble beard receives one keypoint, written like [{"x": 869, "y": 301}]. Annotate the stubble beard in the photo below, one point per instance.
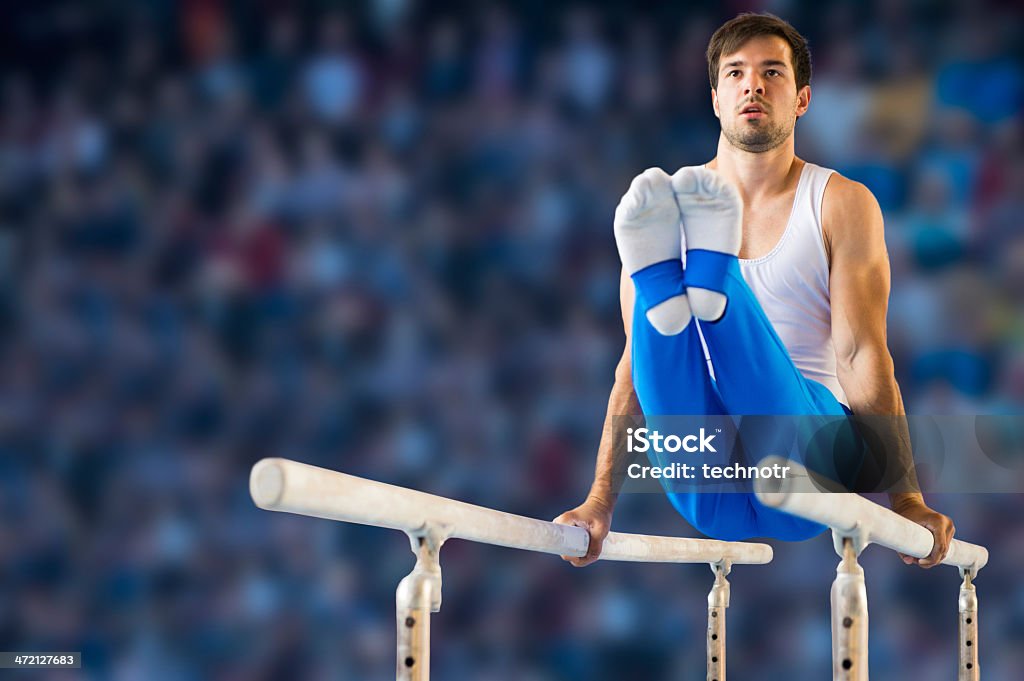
[{"x": 758, "y": 137}]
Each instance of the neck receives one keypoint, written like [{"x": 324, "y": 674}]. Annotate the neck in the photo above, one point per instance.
[{"x": 756, "y": 174}]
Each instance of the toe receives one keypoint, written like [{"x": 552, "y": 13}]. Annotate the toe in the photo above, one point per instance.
[
  {"x": 629, "y": 204},
  {"x": 651, "y": 190},
  {"x": 716, "y": 185},
  {"x": 656, "y": 176},
  {"x": 684, "y": 181},
  {"x": 654, "y": 184}
]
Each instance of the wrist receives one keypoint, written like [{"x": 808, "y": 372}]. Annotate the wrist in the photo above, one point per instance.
[{"x": 602, "y": 497}]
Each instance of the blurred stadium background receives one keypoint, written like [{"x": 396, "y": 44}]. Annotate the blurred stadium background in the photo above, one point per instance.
[{"x": 375, "y": 236}]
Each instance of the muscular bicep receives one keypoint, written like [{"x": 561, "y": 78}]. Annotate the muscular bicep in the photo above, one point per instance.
[{"x": 859, "y": 278}]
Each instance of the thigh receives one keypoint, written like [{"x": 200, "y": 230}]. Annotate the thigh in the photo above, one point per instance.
[{"x": 670, "y": 373}]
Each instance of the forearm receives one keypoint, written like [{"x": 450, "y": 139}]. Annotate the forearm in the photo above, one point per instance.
[
  {"x": 611, "y": 453},
  {"x": 909, "y": 490},
  {"x": 873, "y": 393}
]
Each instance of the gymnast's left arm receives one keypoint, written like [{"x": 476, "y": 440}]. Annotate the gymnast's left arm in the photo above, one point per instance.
[{"x": 859, "y": 283}]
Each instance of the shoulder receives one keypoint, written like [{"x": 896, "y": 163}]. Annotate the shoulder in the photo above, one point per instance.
[
  {"x": 849, "y": 209},
  {"x": 843, "y": 196}
]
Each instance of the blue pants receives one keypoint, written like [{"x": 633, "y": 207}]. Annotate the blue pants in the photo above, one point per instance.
[{"x": 754, "y": 375}]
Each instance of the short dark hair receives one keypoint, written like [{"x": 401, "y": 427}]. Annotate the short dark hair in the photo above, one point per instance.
[{"x": 733, "y": 34}]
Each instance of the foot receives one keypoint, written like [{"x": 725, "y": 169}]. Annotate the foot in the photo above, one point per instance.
[
  {"x": 712, "y": 215},
  {"x": 647, "y": 232}
]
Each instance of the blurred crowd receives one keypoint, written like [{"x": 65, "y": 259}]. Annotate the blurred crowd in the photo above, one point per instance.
[{"x": 376, "y": 237}]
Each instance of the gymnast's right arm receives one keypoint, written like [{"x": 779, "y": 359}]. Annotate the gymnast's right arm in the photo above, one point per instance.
[{"x": 595, "y": 514}]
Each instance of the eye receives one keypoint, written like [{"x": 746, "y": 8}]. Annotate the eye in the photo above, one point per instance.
[
  {"x": 734, "y": 72},
  {"x": 772, "y": 72}
]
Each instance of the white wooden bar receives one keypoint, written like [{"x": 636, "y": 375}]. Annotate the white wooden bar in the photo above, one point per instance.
[
  {"x": 293, "y": 487},
  {"x": 854, "y": 516}
]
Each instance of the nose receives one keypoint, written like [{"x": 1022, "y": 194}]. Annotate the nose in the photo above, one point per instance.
[{"x": 754, "y": 84}]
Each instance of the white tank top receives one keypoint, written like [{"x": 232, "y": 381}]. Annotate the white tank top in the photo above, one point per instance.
[{"x": 791, "y": 283}]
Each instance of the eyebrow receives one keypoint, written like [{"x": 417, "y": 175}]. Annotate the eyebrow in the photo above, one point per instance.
[{"x": 767, "y": 62}]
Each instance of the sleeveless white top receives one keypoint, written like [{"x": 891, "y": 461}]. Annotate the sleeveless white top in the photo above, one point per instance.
[{"x": 791, "y": 284}]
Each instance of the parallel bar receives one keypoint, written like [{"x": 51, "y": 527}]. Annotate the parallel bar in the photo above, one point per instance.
[
  {"x": 292, "y": 487},
  {"x": 853, "y": 515}
]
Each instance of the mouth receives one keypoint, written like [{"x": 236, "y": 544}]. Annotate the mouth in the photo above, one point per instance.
[{"x": 752, "y": 111}]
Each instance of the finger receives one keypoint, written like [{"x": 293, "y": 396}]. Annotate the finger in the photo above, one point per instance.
[
  {"x": 940, "y": 545},
  {"x": 943, "y": 538},
  {"x": 937, "y": 554},
  {"x": 931, "y": 560}
]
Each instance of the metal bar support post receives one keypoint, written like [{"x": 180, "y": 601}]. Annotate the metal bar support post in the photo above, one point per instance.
[
  {"x": 849, "y": 614},
  {"x": 718, "y": 601},
  {"x": 968, "y": 630},
  {"x": 418, "y": 595}
]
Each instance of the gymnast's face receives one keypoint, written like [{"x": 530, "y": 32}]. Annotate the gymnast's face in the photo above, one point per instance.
[{"x": 756, "y": 99}]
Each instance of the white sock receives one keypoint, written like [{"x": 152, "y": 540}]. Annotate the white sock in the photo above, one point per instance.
[
  {"x": 712, "y": 215},
  {"x": 647, "y": 232}
]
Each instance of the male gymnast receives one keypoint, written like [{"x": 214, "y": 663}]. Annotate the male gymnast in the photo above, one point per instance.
[{"x": 787, "y": 272}]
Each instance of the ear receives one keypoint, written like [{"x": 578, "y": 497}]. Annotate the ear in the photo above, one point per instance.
[
  {"x": 803, "y": 100},
  {"x": 714, "y": 103}
]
